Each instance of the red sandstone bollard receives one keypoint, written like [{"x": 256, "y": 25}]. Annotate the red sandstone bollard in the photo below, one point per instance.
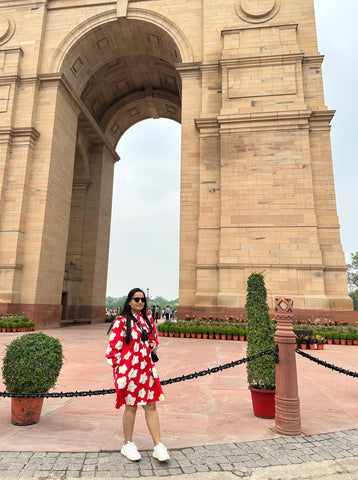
[{"x": 287, "y": 410}]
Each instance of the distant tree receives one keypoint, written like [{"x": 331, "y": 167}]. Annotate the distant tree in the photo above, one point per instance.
[
  {"x": 352, "y": 273},
  {"x": 354, "y": 297},
  {"x": 112, "y": 303}
]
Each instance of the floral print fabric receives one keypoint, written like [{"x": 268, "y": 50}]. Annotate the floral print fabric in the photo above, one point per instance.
[{"x": 135, "y": 376}]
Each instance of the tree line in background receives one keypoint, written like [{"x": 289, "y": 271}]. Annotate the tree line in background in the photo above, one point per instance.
[
  {"x": 352, "y": 275},
  {"x": 112, "y": 303}
]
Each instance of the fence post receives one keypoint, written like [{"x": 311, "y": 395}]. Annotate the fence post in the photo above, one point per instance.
[{"x": 287, "y": 410}]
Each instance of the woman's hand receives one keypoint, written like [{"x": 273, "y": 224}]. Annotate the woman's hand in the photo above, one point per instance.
[{"x": 153, "y": 347}]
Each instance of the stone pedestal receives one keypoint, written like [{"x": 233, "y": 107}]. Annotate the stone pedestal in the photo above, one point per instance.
[{"x": 287, "y": 414}]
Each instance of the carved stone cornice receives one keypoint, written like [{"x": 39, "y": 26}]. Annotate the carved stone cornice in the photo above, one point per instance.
[{"x": 266, "y": 121}]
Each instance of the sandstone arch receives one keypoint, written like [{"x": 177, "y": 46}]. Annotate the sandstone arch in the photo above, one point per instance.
[{"x": 243, "y": 78}]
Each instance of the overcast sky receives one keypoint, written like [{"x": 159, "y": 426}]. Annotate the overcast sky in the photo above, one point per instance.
[{"x": 144, "y": 246}]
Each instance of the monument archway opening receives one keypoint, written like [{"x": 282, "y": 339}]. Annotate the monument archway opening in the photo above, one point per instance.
[{"x": 144, "y": 242}]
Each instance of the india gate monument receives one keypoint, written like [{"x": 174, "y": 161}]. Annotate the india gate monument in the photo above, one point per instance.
[{"x": 244, "y": 80}]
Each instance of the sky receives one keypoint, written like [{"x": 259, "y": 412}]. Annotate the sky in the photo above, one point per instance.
[{"x": 144, "y": 243}]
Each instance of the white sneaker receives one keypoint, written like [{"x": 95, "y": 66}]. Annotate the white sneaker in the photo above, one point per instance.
[
  {"x": 160, "y": 452},
  {"x": 130, "y": 451}
]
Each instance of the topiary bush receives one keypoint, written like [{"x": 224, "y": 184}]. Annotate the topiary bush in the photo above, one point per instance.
[
  {"x": 260, "y": 335},
  {"x": 32, "y": 363}
]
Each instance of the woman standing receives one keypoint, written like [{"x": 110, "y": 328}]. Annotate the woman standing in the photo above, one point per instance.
[{"x": 132, "y": 340}]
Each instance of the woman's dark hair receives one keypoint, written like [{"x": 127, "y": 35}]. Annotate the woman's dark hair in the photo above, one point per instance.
[{"x": 127, "y": 312}]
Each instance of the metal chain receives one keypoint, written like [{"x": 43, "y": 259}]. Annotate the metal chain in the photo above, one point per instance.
[
  {"x": 191, "y": 376},
  {"x": 326, "y": 364}
]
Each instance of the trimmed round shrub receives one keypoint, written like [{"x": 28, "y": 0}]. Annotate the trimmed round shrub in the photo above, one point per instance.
[{"x": 32, "y": 363}]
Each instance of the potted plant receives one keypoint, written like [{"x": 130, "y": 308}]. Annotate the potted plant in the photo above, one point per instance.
[
  {"x": 335, "y": 337},
  {"x": 205, "y": 331},
  {"x": 193, "y": 331},
  {"x": 223, "y": 333},
  {"x": 31, "y": 364},
  {"x": 328, "y": 336},
  {"x": 187, "y": 331},
  {"x": 310, "y": 342},
  {"x": 235, "y": 333},
  {"x": 349, "y": 338},
  {"x": 211, "y": 332},
  {"x": 217, "y": 333},
  {"x": 242, "y": 334},
  {"x": 176, "y": 331},
  {"x": 260, "y": 337},
  {"x": 320, "y": 341},
  {"x": 171, "y": 330},
  {"x": 182, "y": 331},
  {"x": 166, "y": 330},
  {"x": 160, "y": 330},
  {"x": 229, "y": 333},
  {"x": 355, "y": 339},
  {"x": 199, "y": 332},
  {"x": 343, "y": 338}
]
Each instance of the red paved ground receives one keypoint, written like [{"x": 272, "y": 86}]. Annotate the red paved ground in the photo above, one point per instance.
[{"x": 209, "y": 410}]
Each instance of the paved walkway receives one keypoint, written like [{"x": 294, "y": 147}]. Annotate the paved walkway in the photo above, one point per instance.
[
  {"x": 207, "y": 423},
  {"x": 320, "y": 456}
]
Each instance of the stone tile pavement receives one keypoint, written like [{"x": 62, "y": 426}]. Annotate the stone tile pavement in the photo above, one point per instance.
[{"x": 321, "y": 456}]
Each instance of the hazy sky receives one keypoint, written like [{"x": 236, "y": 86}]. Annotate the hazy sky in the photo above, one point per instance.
[{"x": 144, "y": 247}]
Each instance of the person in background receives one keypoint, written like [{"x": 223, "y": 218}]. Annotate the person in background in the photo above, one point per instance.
[{"x": 131, "y": 342}]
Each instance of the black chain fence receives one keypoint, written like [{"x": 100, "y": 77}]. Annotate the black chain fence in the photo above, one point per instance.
[
  {"x": 191, "y": 376},
  {"x": 182, "y": 378},
  {"x": 327, "y": 365}
]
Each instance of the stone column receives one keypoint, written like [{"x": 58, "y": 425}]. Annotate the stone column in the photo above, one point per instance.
[{"x": 287, "y": 414}]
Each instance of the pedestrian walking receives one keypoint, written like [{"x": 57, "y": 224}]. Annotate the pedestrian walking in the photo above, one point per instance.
[{"x": 133, "y": 339}]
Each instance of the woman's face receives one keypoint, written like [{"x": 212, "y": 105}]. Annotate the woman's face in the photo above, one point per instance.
[{"x": 137, "y": 305}]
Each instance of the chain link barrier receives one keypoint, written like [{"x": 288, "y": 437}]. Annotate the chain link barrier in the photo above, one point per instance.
[
  {"x": 326, "y": 364},
  {"x": 169, "y": 381}
]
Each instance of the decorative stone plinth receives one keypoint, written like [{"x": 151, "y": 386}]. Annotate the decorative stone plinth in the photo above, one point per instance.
[{"x": 287, "y": 410}]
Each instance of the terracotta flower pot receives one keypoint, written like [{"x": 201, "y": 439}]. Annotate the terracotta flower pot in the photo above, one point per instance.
[
  {"x": 217, "y": 336},
  {"x": 235, "y": 337},
  {"x": 312, "y": 346},
  {"x": 320, "y": 346},
  {"x": 199, "y": 335},
  {"x": 205, "y": 336},
  {"x": 26, "y": 411},
  {"x": 263, "y": 402},
  {"x": 242, "y": 338},
  {"x": 303, "y": 346},
  {"x": 211, "y": 336},
  {"x": 329, "y": 341},
  {"x": 355, "y": 342},
  {"x": 336, "y": 341},
  {"x": 349, "y": 342},
  {"x": 228, "y": 337}
]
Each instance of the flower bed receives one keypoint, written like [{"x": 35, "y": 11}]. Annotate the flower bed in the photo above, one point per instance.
[
  {"x": 309, "y": 335},
  {"x": 15, "y": 323}
]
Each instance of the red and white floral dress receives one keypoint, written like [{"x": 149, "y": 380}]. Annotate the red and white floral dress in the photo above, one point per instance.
[{"x": 135, "y": 376}]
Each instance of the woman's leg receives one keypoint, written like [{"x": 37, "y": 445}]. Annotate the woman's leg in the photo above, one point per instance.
[
  {"x": 128, "y": 422},
  {"x": 152, "y": 419}
]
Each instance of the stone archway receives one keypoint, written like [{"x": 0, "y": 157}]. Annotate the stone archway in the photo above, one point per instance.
[{"x": 257, "y": 190}]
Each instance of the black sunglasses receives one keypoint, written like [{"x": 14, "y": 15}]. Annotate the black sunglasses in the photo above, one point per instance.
[{"x": 138, "y": 299}]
